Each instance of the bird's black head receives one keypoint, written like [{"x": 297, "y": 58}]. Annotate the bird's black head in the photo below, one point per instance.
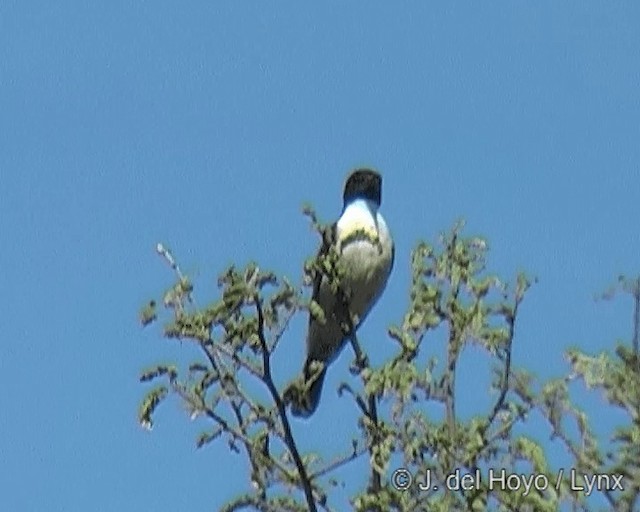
[{"x": 363, "y": 184}]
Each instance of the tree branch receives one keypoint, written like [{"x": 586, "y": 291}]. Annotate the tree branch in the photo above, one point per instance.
[
  {"x": 504, "y": 386},
  {"x": 288, "y": 436},
  {"x": 357, "y": 452}
]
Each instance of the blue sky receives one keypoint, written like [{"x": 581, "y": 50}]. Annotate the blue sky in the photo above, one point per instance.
[{"x": 206, "y": 126}]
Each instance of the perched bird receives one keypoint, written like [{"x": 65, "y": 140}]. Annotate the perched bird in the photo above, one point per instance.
[{"x": 366, "y": 253}]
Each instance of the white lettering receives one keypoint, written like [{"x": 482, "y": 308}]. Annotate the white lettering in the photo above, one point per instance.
[
  {"x": 617, "y": 483},
  {"x": 574, "y": 485},
  {"x": 516, "y": 482}
]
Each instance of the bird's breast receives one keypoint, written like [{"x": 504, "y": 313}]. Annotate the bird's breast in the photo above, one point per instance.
[{"x": 366, "y": 254}]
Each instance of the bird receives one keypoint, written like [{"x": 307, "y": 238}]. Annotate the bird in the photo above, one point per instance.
[{"x": 366, "y": 252}]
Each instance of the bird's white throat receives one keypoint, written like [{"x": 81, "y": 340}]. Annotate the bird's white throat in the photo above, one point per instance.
[{"x": 359, "y": 215}]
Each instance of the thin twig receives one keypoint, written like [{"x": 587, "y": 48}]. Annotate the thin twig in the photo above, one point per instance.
[
  {"x": 283, "y": 327},
  {"x": 165, "y": 253},
  {"x": 453, "y": 352},
  {"x": 168, "y": 257},
  {"x": 636, "y": 323},
  {"x": 450, "y": 389},
  {"x": 288, "y": 436},
  {"x": 232, "y": 355},
  {"x": 504, "y": 385},
  {"x": 357, "y": 452},
  {"x": 371, "y": 411}
]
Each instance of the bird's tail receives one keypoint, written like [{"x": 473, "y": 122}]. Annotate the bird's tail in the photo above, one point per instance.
[{"x": 305, "y": 402}]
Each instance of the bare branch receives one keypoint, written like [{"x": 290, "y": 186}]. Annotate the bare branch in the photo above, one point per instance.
[
  {"x": 357, "y": 452},
  {"x": 288, "y": 436}
]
